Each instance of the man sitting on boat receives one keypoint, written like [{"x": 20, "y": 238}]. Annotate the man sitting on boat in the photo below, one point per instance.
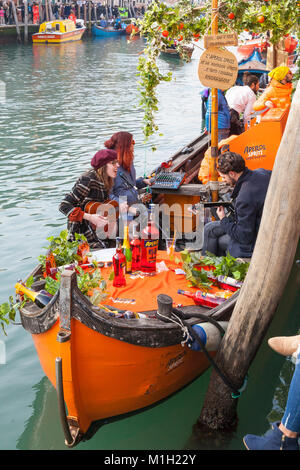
[
  {"x": 240, "y": 100},
  {"x": 94, "y": 185},
  {"x": 278, "y": 93},
  {"x": 237, "y": 234}
]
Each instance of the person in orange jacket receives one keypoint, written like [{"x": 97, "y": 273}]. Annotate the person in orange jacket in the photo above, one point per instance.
[
  {"x": 36, "y": 13},
  {"x": 72, "y": 16},
  {"x": 278, "y": 93}
]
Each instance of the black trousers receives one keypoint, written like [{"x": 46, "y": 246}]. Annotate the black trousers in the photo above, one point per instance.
[{"x": 215, "y": 239}]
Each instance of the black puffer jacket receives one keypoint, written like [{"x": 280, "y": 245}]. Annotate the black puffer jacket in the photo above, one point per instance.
[{"x": 249, "y": 196}]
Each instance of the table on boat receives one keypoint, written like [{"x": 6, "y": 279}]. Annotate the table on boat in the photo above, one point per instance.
[{"x": 141, "y": 290}]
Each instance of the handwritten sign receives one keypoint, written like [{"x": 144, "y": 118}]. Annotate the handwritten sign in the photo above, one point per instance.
[
  {"x": 220, "y": 40},
  {"x": 218, "y": 68}
]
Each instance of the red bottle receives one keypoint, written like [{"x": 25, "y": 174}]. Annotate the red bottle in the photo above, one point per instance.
[
  {"x": 136, "y": 251},
  {"x": 50, "y": 264},
  {"x": 83, "y": 252},
  {"x": 201, "y": 298},
  {"x": 119, "y": 263},
  {"x": 149, "y": 243}
]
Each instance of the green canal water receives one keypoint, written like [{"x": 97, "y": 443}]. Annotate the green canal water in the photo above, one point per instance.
[{"x": 62, "y": 103}]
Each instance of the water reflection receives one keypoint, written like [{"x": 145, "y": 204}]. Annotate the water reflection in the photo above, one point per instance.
[{"x": 41, "y": 431}]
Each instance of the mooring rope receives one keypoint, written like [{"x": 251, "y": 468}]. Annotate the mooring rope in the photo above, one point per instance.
[{"x": 189, "y": 332}]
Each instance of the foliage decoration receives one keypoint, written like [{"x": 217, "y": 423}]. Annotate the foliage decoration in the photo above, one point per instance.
[
  {"x": 90, "y": 284},
  {"x": 65, "y": 251},
  {"x": 8, "y": 310},
  {"x": 183, "y": 24},
  {"x": 193, "y": 262}
]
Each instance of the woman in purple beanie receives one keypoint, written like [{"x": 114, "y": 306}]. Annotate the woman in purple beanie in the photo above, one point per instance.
[{"x": 94, "y": 185}]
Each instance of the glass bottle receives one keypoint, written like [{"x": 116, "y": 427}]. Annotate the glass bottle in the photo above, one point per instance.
[
  {"x": 136, "y": 250},
  {"x": 41, "y": 299},
  {"x": 83, "y": 252},
  {"x": 50, "y": 264},
  {"x": 202, "y": 298},
  {"x": 149, "y": 243},
  {"x": 119, "y": 263},
  {"x": 127, "y": 249}
]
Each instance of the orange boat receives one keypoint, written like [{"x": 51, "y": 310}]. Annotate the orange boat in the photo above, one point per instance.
[
  {"x": 132, "y": 29},
  {"x": 104, "y": 366},
  {"x": 248, "y": 47},
  {"x": 260, "y": 142}
]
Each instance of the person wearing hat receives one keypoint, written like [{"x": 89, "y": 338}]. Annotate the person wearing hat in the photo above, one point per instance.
[
  {"x": 94, "y": 185},
  {"x": 278, "y": 93}
]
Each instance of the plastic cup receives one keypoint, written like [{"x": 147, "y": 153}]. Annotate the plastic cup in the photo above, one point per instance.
[{"x": 170, "y": 246}]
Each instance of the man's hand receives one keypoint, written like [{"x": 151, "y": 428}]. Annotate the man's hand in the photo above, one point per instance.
[{"x": 221, "y": 212}]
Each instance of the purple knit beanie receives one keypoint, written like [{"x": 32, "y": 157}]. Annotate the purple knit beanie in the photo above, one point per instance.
[{"x": 102, "y": 157}]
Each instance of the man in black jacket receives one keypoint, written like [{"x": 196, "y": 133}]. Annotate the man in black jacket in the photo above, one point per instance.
[{"x": 238, "y": 234}]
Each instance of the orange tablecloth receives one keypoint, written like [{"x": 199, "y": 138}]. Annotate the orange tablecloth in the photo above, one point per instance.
[{"x": 144, "y": 291}]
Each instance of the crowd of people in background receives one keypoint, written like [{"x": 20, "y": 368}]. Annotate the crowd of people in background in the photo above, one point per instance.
[{"x": 62, "y": 10}]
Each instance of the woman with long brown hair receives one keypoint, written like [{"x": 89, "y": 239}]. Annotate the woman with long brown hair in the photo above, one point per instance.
[
  {"x": 125, "y": 183},
  {"x": 94, "y": 185}
]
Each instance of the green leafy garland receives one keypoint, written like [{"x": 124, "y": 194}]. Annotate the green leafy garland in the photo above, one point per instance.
[
  {"x": 223, "y": 266},
  {"x": 65, "y": 253},
  {"x": 183, "y": 23}
]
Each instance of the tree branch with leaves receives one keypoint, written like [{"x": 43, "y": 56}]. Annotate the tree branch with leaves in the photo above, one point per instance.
[{"x": 183, "y": 24}]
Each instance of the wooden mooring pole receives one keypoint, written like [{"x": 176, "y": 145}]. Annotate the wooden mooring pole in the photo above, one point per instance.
[
  {"x": 90, "y": 16},
  {"x": 265, "y": 282},
  {"x": 25, "y": 21},
  {"x": 16, "y": 20},
  {"x": 46, "y": 10},
  {"x": 214, "y": 116}
]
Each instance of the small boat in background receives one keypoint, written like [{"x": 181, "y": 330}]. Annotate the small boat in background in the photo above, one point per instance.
[
  {"x": 132, "y": 29},
  {"x": 59, "y": 32},
  {"x": 105, "y": 31},
  {"x": 248, "y": 47},
  {"x": 176, "y": 52},
  {"x": 254, "y": 63}
]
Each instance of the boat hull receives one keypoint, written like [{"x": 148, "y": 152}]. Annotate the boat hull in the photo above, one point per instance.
[
  {"x": 58, "y": 38},
  {"x": 110, "y": 365},
  {"x": 107, "y": 33},
  {"x": 254, "y": 64},
  {"x": 105, "y": 377},
  {"x": 169, "y": 52},
  {"x": 247, "y": 48}
]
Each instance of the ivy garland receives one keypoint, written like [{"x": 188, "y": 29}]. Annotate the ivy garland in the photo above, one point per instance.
[{"x": 184, "y": 24}]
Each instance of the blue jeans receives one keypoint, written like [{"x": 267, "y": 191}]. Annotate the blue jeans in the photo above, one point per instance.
[
  {"x": 223, "y": 134},
  {"x": 291, "y": 417},
  {"x": 215, "y": 239}
]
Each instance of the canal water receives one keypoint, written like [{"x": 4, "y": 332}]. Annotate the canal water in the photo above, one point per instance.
[{"x": 61, "y": 103}]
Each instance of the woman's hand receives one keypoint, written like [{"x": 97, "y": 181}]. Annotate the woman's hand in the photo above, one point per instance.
[
  {"x": 123, "y": 207},
  {"x": 98, "y": 220}
]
